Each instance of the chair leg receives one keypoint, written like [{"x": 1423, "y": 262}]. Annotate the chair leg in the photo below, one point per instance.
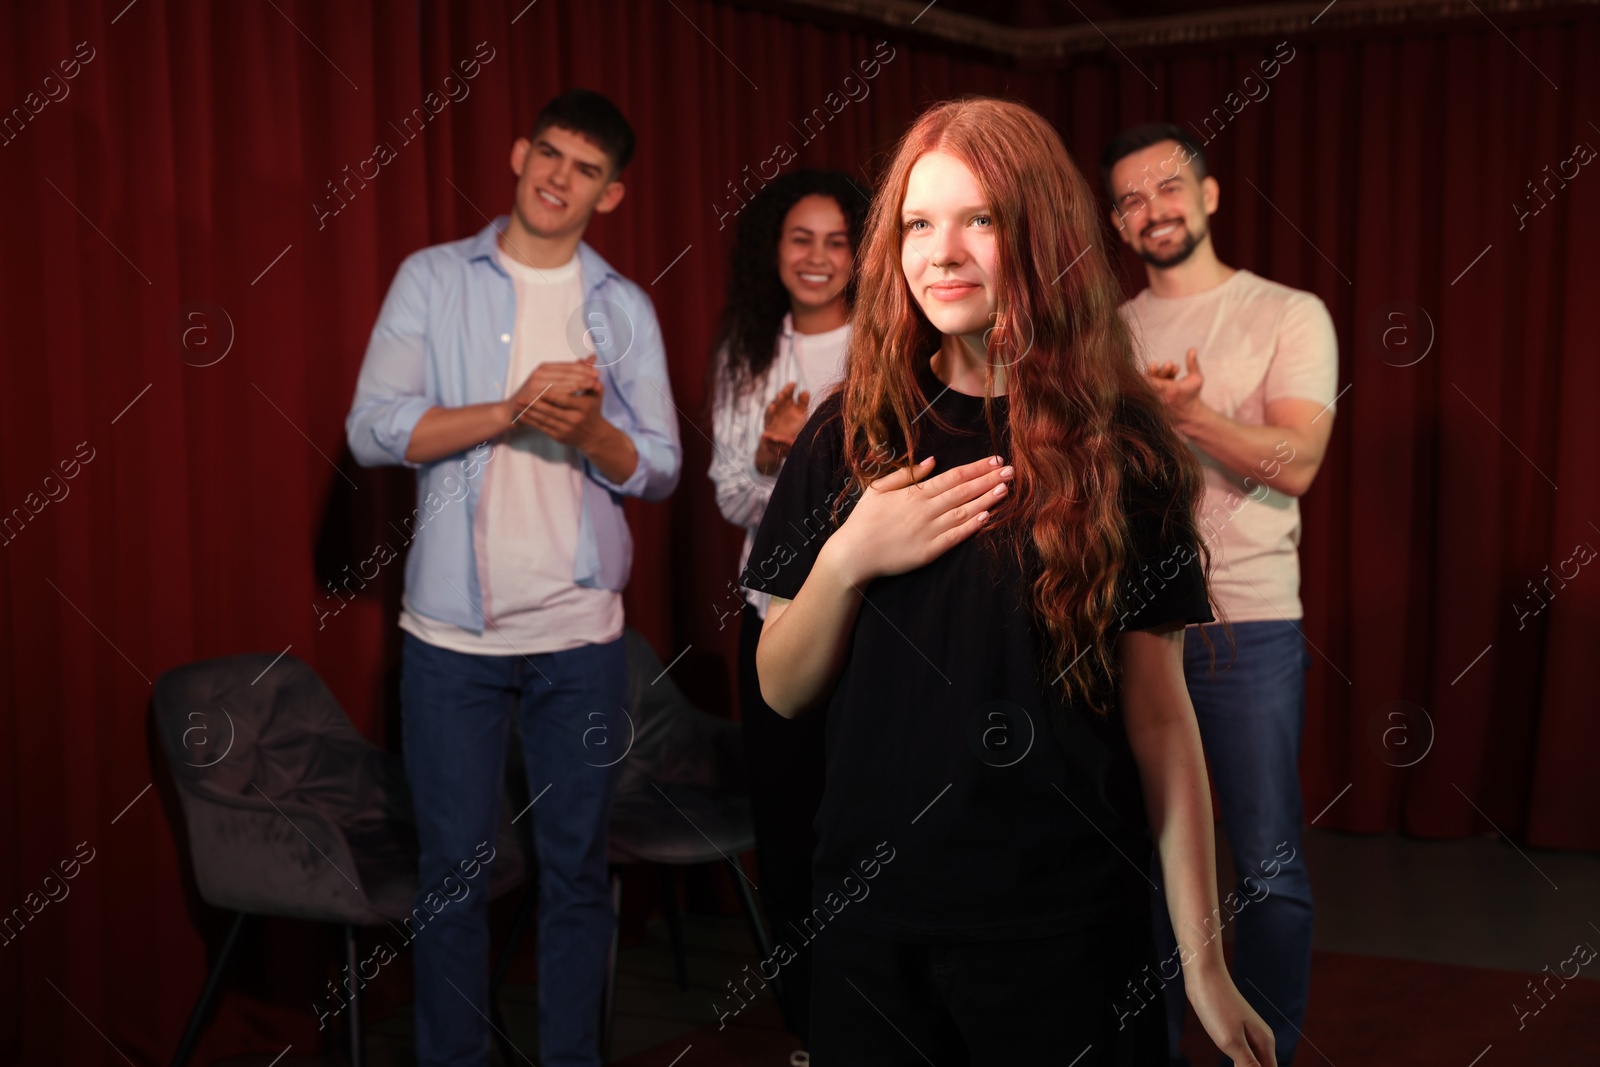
[
  {"x": 674, "y": 918},
  {"x": 608, "y": 996},
  {"x": 508, "y": 1051},
  {"x": 758, "y": 929},
  {"x": 208, "y": 995},
  {"x": 519, "y": 929},
  {"x": 353, "y": 1019}
]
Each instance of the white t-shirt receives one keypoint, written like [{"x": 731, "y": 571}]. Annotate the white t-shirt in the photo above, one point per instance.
[
  {"x": 815, "y": 363},
  {"x": 525, "y": 529},
  {"x": 1257, "y": 341}
]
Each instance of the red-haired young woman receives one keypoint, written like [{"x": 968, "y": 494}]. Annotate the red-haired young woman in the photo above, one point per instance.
[{"x": 981, "y": 554}]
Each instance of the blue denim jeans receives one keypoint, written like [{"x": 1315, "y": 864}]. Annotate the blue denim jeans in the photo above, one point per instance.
[
  {"x": 1251, "y": 717},
  {"x": 456, "y": 713}
]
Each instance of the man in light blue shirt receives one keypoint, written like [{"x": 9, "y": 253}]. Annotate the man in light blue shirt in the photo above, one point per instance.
[{"x": 525, "y": 382}]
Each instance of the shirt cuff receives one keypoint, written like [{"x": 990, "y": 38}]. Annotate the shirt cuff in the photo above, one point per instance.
[{"x": 393, "y": 430}]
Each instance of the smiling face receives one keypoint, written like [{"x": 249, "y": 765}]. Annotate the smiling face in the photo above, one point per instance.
[
  {"x": 948, "y": 249},
  {"x": 1162, "y": 211},
  {"x": 562, "y": 179},
  {"x": 814, "y": 252}
]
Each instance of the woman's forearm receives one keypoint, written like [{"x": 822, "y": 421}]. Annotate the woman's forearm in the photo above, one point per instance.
[
  {"x": 803, "y": 647},
  {"x": 1178, "y": 800},
  {"x": 1165, "y": 739},
  {"x": 767, "y": 461},
  {"x": 742, "y": 488}
]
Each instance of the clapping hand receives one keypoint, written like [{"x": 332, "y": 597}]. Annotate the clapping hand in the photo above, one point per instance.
[
  {"x": 785, "y": 417},
  {"x": 1181, "y": 395},
  {"x": 561, "y": 399}
]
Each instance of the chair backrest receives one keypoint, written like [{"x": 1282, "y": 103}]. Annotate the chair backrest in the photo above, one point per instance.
[
  {"x": 238, "y": 727},
  {"x": 673, "y": 741},
  {"x": 236, "y": 724}
]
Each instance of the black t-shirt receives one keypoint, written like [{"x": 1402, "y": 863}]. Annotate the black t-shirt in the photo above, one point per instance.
[{"x": 1004, "y": 812}]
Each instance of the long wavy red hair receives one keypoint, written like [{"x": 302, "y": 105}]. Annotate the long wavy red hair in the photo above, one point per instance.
[{"x": 1082, "y": 416}]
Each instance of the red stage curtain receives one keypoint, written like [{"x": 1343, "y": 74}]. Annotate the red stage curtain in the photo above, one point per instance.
[{"x": 173, "y": 158}]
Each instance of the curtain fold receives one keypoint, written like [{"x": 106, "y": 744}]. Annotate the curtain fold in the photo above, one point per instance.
[{"x": 202, "y": 226}]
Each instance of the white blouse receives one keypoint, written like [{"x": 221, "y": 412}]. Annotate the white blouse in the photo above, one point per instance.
[{"x": 815, "y": 363}]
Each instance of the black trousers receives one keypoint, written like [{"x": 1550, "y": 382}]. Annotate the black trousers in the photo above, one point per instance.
[
  {"x": 784, "y": 765},
  {"x": 1056, "y": 1000}
]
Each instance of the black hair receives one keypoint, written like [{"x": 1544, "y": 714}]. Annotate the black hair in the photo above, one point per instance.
[
  {"x": 752, "y": 317},
  {"x": 1134, "y": 138},
  {"x": 591, "y": 114}
]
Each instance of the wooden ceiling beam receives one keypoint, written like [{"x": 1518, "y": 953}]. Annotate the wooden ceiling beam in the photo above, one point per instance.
[{"x": 1035, "y": 46}]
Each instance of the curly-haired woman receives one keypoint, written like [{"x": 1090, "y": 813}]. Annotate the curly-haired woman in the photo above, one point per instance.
[{"x": 780, "y": 349}]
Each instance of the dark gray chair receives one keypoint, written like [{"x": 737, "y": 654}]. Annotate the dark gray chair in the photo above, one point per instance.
[
  {"x": 680, "y": 799},
  {"x": 290, "y": 811}
]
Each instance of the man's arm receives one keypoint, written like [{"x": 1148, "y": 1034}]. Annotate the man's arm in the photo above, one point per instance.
[
  {"x": 638, "y": 406},
  {"x": 1285, "y": 452},
  {"x": 1288, "y": 449},
  {"x": 393, "y": 419},
  {"x": 391, "y": 391},
  {"x": 442, "y": 432},
  {"x": 613, "y": 453}
]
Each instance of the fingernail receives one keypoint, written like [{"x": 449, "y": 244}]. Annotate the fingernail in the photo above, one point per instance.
[
  {"x": 1008, "y": 471},
  {"x": 994, "y": 461}
]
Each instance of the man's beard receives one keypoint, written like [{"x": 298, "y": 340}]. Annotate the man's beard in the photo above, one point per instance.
[{"x": 1191, "y": 241}]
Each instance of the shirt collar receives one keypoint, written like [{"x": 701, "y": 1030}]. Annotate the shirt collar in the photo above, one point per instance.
[
  {"x": 787, "y": 331},
  {"x": 484, "y": 245}
]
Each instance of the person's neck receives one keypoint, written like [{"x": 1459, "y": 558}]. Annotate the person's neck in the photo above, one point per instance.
[
  {"x": 1201, "y": 271},
  {"x": 959, "y": 364},
  {"x": 829, "y": 316},
  {"x": 534, "y": 250}
]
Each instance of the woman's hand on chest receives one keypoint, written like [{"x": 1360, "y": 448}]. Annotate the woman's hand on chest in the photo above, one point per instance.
[{"x": 899, "y": 524}]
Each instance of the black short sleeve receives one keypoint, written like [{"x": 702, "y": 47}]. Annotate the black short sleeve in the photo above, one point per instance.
[
  {"x": 798, "y": 519},
  {"x": 1164, "y": 578}
]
